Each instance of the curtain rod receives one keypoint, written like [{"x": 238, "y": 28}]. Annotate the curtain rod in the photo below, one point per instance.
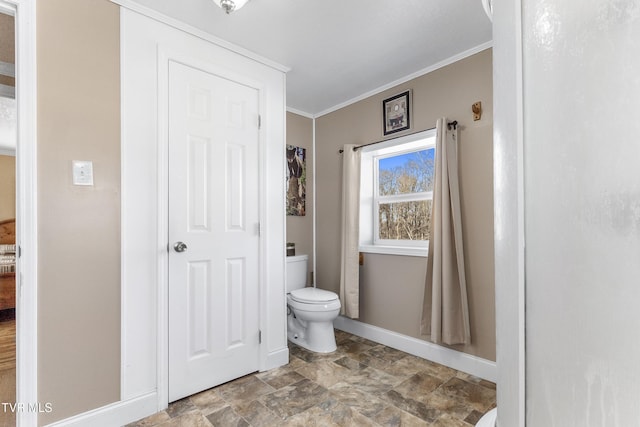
[{"x": 453, "y": 123}]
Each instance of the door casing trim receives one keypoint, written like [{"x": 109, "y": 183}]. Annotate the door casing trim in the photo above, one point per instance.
[
  {"x": 26, "y": 207},
  {"x": 146, "y": 46}
]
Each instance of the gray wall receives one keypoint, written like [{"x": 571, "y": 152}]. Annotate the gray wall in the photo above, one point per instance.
[{"x": 392, "y": 286}]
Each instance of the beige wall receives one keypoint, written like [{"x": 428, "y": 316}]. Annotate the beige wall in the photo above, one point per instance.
[
  {"x": 7, "y": 45},
  {"x": 7, "y": 187},
  {"x": 300, "y": 228},
  {"x": 7, "y": 38},
  {"x": 79, "y": 230},
  {"x": 392, "y": 286}
]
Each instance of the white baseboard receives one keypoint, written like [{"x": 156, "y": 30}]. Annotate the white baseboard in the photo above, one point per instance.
[
  {"x": 464, "y": 362},
  {"x": 115, "y": 414},
  {"x": 275, "y": 359},
  {"x": 127, "y": 411}
]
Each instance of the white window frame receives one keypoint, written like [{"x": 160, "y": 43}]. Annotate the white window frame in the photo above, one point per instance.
[{"x": 370, "y": 199}]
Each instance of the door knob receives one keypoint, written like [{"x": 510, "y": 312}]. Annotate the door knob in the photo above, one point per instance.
[{"x": 180, "y": 247}]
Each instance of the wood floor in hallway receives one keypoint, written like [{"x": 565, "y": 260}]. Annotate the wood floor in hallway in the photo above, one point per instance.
[{"x": 7, "y": 371}]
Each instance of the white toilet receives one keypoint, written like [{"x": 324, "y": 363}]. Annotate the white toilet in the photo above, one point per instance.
[
  {"x": 310, "y": 311},
  {"x": 489, "y": 419}
]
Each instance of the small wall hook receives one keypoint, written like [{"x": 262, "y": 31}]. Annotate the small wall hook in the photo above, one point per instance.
[{"x": 477, "y": 111}]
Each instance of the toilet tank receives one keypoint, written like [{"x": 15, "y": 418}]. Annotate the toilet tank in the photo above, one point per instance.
[{"x": 296, "y": 272}]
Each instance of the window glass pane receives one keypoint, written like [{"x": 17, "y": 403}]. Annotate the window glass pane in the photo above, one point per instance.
[
  {"x": 406, "y": 173},
  {"x": 404, "y": 220}
]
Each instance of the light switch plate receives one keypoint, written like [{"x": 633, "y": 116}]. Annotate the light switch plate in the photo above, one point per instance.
[{"x": 82, "y": 172}]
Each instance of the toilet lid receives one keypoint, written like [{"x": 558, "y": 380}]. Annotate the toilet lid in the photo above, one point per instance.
[{"x": 313, "y": 295}]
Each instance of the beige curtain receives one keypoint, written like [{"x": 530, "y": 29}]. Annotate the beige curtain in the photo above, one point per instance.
[
  {"x": 350, "y": 268},
  {"x": 445, "y": 311}
]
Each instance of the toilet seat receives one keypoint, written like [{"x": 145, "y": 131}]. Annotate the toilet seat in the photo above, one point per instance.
[
  {"x": 313, "y": 296},
  {"x": 315, "y": 307}
]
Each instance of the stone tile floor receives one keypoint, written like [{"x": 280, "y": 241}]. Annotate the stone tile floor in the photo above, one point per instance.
[{"x": 360, "y": 384}]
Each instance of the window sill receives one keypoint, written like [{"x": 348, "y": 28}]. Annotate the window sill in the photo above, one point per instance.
[{"x": 394, "y": 250}]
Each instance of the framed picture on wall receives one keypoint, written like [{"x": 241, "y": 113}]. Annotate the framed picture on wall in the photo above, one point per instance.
[
  {"x": 396, "y": 113},
  {"x": 296, "y": 180}
]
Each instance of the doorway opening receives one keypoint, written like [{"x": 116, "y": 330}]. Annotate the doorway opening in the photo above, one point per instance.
[{"x": 8, "y": 145}]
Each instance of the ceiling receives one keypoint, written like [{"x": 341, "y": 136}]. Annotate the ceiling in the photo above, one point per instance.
[{"x": 339, "y": 50}]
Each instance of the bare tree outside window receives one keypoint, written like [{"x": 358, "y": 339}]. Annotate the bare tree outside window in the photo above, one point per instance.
[{"x": 405, "y": 190}]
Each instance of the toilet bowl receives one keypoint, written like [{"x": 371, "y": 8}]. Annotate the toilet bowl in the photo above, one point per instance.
[
  {"x": 488, "y": 419},
  {"x": 310, "y": 311},
  {"x": 310, "y": 319}
]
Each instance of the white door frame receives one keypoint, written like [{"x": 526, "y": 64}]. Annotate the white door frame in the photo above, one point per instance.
[
  {"x": 26, "y": 207},
  {"x": 165, "y": 55},
  {"x": 509, "y": 237},
  {"x": 148, "y": 41}
]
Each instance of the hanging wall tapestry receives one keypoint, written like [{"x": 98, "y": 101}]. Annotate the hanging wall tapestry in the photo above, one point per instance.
[{"x": 296, "y": 180}]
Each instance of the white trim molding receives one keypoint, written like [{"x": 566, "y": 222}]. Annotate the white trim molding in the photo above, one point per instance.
[
  {"x": 395, "y": 250},
  {"x": 473, "y": 365},
  {"x": 275, "y": 359},
  {"x": 508, "y": 189},
  {"x": 189, "y": 29},
  {"x": 115, "y": 414},
  {"x": 455, "y": 58},
  {"x": 314, "y": 198},
  {"x": 299, "y": 113},
  {"x": 26, "y": 207}
]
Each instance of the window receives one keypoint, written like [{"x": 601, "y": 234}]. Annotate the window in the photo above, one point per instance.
[{"x": 396, "y": 195}]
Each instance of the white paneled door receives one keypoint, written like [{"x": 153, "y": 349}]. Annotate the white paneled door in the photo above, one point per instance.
[{"x": 213, "y": 230}]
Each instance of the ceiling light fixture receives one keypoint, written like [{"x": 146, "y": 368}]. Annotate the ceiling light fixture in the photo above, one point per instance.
[{"x": 230, "y": 5}]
